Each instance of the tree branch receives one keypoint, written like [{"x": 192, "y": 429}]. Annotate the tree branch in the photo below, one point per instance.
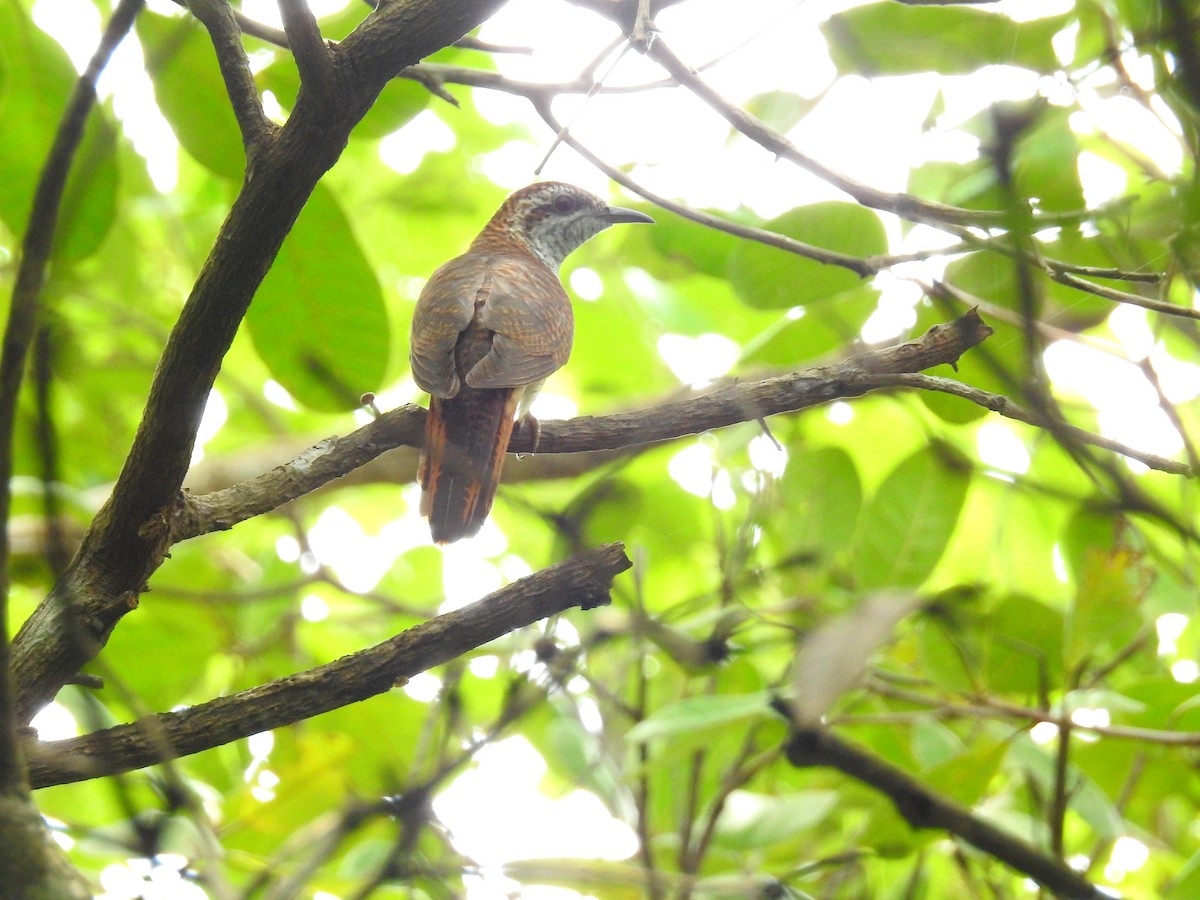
[
  {"x": 219, "y": 19},
  {"x": 32, "y": 864},
  {"x": 308, "y": 47},
  {"x": 860, "y": 266},
  {"x": 125, "y": 542},
  {"x": 583, "y": 581},
  {"x": 330, "y": 459},
  {"x": 36, "y": 250},
  {"x": 922, "y": 808},
  {"x": 906, "y": 206},
  {"x": 998, "y": 403}
]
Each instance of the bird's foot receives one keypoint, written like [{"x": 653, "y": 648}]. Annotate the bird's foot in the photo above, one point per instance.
[{"x": 528, "y": 423}]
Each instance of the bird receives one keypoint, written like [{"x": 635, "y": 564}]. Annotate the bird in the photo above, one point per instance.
[{"x": 488, "y": 329}]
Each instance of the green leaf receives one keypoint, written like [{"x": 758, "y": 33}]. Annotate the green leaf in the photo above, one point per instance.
[
  {"x": 780, "y": 109},
  {"x": 899, "y": 39},
  {"x": 770, "y": 278},
  {"x": 994, "y": 278},
  {"x": 705, "y": 249},
  {"x": 318, "y": 321},
  {"x": 701, "y": 712},
  {"x": 824, "y": 328},
  {"x": 1105, "y": 613},
  {"x": 1026, "y": 646},
  {"x": 89, "y": 204},
  {"x": 1087, "y": 798},
  {"x": 36, "y": 79},
  {"x": 397, "y": 104},
  {"x": 824, "y": 498},
  {"x": 910, "y": 520},
  {"x": 934, "y": 742},
  {"x": 750, "y": 820},
  {"x": 1186, "y": 883},
  {"x": 965, "y": 778},
  {"x": 190, "y": 92},
  {"x": 971, "y": 185},
  {"x": 949, "y": 408},
  {"x": 1046, "y": 165}
]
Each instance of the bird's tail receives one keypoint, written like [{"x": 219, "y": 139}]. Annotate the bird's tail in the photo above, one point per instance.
[{"x": 465, "y": 441}]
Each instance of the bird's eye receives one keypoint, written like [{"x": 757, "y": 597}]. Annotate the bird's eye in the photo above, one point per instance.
[{"x": 564, "y": 203}]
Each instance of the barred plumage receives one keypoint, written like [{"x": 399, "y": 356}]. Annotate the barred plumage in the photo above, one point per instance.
[{"x": 489, "y": 328}]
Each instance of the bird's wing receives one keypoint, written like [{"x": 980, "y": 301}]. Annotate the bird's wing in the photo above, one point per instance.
[
  {"x": 530, "y": 315},
  {"x": 444, "y": 310}
]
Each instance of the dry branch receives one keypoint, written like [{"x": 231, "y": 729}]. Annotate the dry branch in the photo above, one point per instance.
[
  {"x": 582, "y": 581},
  {"x": 330, "y": 459}
]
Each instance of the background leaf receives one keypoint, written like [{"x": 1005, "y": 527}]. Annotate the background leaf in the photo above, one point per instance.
[
  {"x": 190, "y": 93},
  {"x": 896, "y": 38},
  {"x": 908, "y": 522},
  {"x": 767, "y": 277},
  {"x": 318, "y": 321}
]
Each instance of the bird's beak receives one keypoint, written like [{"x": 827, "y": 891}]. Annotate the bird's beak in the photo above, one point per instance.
[{"x": 618, "y": 214}]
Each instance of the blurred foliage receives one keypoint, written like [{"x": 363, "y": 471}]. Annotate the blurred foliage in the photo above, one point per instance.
[{"x": 1061, "y": 588}]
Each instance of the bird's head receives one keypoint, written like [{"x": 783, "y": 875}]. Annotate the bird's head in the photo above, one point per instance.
[{"x": 552, "y": 218}]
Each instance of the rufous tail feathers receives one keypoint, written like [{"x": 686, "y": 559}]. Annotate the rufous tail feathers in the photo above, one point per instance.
[{"x": 466, "y": 439}]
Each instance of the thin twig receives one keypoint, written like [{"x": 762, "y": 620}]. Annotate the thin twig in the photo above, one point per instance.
[
  {"x": 252, "y": 27},
  {"x": 1082, "y": 284},
  {"x": 308, "y": 47},
  {"x": 998, "y": 403},
  {"x": 904, "y": 205},
  {"x": 217, "y": 16},
  {"x": 860, "y": 266},
  {"x": 988, "y": 707}
]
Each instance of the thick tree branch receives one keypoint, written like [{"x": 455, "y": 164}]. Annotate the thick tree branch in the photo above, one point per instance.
[
  {"x": 923, "y": 808},
  {"x": 126, "y": 540},
  {"x": 583, "y": 580},
  {"x": 330, "y": 459}
]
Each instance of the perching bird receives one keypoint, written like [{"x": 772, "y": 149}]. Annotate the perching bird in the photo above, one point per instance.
[{"x": 489, "y": 327}]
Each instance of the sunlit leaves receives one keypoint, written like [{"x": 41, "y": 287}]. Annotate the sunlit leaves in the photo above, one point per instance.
[
  {"x": 35, "y": 80},
  {"x": 897, "y": 38},
  {"x": 697, "y": 713},
  {"x": 1046, "y": 169},
  {"x": 751, "y": 821},
  {"x": 318, "y": 321},
  {"x": 1105, "y": 613},
  {"x": 907, "y": 524},
  {"x": 768, "y": 277},
  {"x": 824, "y": 501},
  {"x": 780, "y": 109},
  {"x": 190, "y": 92},
  {"x": 705, "y": 249},
  {"x": 661, "y": 706}
]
